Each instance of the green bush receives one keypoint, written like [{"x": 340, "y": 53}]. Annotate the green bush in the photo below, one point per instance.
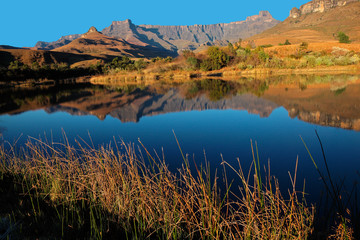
[
  {"x": 310, "y": 60},
  {"x": 343, "y": 38},
  {"x": 206, "y": 65},
  {"x": 140, "y": 64},
  {"x": 218, "y": 58},
  {"x": 241, "y": 66},
  {"x": 193, "y": 62}
]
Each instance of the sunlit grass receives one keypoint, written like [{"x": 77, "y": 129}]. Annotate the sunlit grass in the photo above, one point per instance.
[{"x": 122, "y": 190}]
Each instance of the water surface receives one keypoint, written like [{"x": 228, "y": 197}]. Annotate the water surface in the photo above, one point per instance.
[{"x": 213, "y": 120}]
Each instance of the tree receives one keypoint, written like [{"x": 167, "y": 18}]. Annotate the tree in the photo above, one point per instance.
[{"x": 343, "y": 38}]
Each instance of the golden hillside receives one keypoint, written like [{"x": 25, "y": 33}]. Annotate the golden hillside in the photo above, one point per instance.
[{"x": 315, "y": 27}]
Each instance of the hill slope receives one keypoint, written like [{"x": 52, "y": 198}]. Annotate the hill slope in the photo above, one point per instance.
[
  {"x": 28, "y": 57},
  {"x": 314, "y": 24}
]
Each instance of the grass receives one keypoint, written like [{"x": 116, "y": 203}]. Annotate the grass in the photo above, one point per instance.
[
  {"x": 342, "y": 205},
  {"x": 126, "y": 192}
]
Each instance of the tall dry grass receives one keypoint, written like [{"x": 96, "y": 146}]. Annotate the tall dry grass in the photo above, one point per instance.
[{"x": 126, "y": 186}]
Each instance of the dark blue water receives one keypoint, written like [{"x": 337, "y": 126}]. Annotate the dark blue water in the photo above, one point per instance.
[{"x": 204, "y": 132}]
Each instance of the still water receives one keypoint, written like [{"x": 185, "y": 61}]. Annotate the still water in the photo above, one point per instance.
[{"x": 212, "y": 119}]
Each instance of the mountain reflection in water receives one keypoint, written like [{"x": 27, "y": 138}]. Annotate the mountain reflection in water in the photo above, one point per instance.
[{"x": 323, "y": 100}]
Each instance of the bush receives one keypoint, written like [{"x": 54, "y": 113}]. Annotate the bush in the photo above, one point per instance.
[
  {"x": 193, "y": 62},
  {"x": 343, "y": 60},
  {"x": 206, "y": 65},
  {"x": 140, "y": 64},
  {"x": 304, "y": 45},
  {"x": 218, "y": 58},
  {"x": 343, "y": 38},
  {"x": 188, "y": 53}
]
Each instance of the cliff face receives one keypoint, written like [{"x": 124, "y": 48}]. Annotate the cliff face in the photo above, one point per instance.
[
  {"x": 318, "y": 6},
  {"x": 222, "y": 31},
  {"x": 175, "y": 38}
]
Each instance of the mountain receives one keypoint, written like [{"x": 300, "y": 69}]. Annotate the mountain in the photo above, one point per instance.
[
  {"x": 315, "y": 21},
  {"x": 97, "y": 44},
  {"x": 327, "y": 102},
  {"x": 61, "y": 42},
  {"x": 176, "y": 38},
  {"x": 140, "y": 104}
]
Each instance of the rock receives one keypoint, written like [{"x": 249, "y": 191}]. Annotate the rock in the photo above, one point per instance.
[
  {"x": 295, "y": 13},
  {"x": 318, "y": 6}
]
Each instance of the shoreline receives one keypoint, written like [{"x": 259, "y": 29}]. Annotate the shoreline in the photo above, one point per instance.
[{"x": 225, "y": 74}]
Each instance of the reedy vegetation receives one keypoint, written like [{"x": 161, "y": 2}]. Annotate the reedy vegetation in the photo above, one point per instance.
[{"x": 121, "y": 190}]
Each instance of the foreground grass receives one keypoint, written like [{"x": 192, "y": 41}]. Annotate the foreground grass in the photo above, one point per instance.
[{"x": 58, "y": 191}]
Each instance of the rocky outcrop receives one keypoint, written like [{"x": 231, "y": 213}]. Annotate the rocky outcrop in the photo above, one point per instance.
[
  {"x": 318, "y": 6},
  {"x": 175, "y": 38}
]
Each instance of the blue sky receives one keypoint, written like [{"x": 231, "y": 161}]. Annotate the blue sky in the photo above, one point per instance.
[{"x": 24, "y": 22}]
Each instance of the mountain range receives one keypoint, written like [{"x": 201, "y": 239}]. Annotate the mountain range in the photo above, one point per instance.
[
  {"x": 316, "y": 21},
  {"x": 176, "y": 38}
]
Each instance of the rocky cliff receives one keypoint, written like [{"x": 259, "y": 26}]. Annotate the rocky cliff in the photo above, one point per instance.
[
  {"x": 175, "y": 38},
  {"x": 318, "y": 6}
]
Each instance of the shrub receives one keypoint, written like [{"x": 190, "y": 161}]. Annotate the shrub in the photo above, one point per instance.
[
  {"x": 140, "y": 64},
  {"x": 206, "y": 65},
  {"x": 343, "y": 38},
  {"x": 343, "y": 60},
  {"x": 193, "y": 62},
  {"x": 218, "y": 58},
  {"x": 355, "y": 59},
  {"x": 241, "y": 66},
  {"x": 188, "y": 53},
  {"x": 304, "y": 46},
  {"x": 310, "y": 60}
]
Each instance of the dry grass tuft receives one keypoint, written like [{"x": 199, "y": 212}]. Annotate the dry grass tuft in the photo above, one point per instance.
[{"x": 138, "y": 192}]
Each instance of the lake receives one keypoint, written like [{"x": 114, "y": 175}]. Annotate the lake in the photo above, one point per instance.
[{"x": 213, "y": 119}]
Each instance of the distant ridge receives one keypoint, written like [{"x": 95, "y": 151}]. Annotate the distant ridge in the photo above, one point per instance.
[{"x": 176, "y": 38}]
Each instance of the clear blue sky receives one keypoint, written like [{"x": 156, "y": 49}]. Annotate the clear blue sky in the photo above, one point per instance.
[{"x": 24, "y": 22}]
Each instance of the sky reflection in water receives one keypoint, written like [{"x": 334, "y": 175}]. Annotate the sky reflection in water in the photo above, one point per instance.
[{"x": 206, "y": 134}]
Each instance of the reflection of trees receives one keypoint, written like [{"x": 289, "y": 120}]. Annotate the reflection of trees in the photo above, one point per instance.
[
  {"x": 14, "y": 99},
  {"x": 217, "y": 89}
]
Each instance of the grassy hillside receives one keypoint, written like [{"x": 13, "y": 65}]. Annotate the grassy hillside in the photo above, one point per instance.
[{"x": 315, "y": 27}]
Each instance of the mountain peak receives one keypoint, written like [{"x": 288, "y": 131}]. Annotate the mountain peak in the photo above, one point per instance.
[
  {"x": 92, "y": 29},
  {"x": 262, "y": 15},
  {"x": 124, "y": 22}
]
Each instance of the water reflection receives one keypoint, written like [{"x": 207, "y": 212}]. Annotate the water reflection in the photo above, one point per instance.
[{"x": 330, "y": 100}]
